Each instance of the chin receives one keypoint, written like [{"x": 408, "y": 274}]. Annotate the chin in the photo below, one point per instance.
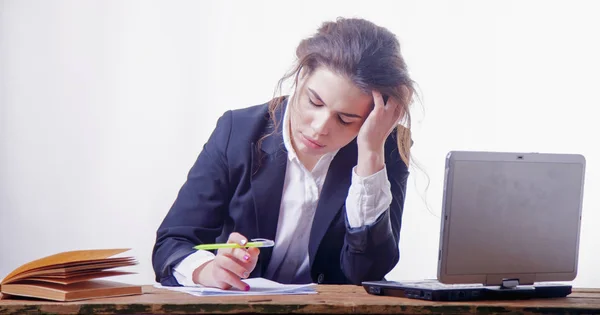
[{"x": 309, "y": 151}]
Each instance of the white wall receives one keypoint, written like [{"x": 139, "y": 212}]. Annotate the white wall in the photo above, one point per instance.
[{"x": 104, "y": 105}]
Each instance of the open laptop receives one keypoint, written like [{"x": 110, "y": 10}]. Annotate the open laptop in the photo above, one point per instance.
[{"x": 510, "y": 228}]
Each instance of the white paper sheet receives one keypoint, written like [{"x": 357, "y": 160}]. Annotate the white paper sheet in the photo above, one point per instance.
[{"x": 258, "y": 286}]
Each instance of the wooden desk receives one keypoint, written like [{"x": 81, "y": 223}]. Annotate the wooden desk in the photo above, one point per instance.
[{"x": 331, "y": 299}]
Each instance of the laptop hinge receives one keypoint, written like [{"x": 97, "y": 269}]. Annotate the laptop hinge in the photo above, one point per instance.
[{"x": 509, "y": 283}]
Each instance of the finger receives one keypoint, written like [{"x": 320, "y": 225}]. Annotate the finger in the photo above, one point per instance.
[
  {"x": 395, "y": 107},
  {"x": 240, "y": 254},
  {"x": 378, "y": 100},
  {"x": 237, "y": 238},
  {"x": 253, "y": 252},
  {"x": 233, "y": 238},
  {"x": 235, "y": 266},
  {"x": 228, "y": 278},
  {"x": 248, "y": 259},
  {"x": 221, "y": 285}
]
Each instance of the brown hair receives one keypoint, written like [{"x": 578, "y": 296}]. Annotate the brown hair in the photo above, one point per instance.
[{"x": 367, "y": 54}]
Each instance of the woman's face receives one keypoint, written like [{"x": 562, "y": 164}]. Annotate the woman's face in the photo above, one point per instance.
[{"x": 327, "y": 113}]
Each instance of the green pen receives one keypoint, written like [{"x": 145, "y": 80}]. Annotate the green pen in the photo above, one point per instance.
[{"x": 255, "y": 242}]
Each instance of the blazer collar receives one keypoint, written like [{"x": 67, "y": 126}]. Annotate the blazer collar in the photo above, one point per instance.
[
  {"x": 333, "y": 195},
  {"x": 269, "y": 164}
]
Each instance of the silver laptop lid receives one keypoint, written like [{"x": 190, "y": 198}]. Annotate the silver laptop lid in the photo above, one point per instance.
[{"x": 510, "y": 215}]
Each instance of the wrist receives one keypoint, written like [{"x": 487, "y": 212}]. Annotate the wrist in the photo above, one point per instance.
[{"x": 370, "y": 162}]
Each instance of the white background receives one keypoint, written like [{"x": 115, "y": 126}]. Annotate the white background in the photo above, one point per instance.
[{"x": 104, "y": 106}]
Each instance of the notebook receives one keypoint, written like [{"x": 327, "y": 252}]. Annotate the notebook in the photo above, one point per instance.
[{"x": 258, "y": 286}]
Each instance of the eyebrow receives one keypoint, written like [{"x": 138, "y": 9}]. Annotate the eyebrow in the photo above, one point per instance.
[{"x": 321, "y": 100}]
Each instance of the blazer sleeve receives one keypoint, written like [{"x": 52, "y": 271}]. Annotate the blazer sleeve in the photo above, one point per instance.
[
  {"x": 371, "y": 251},
  {"x": 198, "y": 213}
]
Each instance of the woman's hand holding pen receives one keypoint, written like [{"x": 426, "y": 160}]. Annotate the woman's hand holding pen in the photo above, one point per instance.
[{"x": 229, "y": 266}]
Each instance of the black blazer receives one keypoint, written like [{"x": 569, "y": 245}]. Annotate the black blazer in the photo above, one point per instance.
[{"x": 236, "y": 186}]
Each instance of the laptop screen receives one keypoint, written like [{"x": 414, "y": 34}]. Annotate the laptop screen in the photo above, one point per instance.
[{"x": 513, "y": 217}]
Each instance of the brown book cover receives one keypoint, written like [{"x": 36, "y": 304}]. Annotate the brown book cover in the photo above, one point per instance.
[{"x": 71, "y": 276}]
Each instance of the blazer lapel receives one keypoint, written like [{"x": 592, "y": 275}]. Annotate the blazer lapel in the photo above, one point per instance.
[
  {"x": 268, "y": 174},
  {"x": 333, "y": 196}
]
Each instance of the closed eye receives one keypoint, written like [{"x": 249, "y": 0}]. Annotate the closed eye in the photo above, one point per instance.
[
  {"x": 313, "y": 103},
  {"x": 340, "y": 119},
  {"x": 343, "y": 122}
]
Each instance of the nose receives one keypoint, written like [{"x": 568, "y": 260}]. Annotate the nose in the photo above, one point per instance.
[{"x": 321, "y": 123}]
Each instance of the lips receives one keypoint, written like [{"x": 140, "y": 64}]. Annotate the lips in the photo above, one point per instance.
[{"x": 313, "y": 143}]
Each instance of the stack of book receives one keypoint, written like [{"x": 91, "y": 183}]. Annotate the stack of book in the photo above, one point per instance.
[{"x": 71, "y": 276}]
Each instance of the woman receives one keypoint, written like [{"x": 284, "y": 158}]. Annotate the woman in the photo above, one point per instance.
[{"x": 321, "y": 172}]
